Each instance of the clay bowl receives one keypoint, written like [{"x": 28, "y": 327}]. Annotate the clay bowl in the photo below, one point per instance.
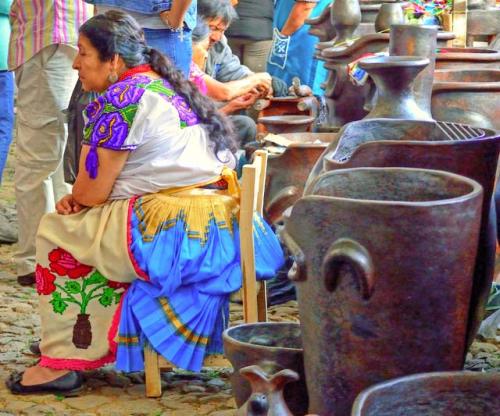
[
  {"x": 286, "y": 123},
  {"x": 443, "y": 393},
  {"x": 468, "y": 96},
  {"x": 461, "y": 58},
  {"x": 273, "y": 346}
]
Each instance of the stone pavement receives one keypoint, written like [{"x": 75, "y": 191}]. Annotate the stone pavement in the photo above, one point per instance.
[{"x": 107, "y": 392}]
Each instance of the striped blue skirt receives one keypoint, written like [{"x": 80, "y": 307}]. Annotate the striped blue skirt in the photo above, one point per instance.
[{"x": 186, "y": 251}]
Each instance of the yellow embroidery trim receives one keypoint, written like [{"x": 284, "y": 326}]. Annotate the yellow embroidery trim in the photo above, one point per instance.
[
  {"x": 186, "y": 333},
  {"x": 128, "y": 340},
  {"x": 195, "y": 206}
]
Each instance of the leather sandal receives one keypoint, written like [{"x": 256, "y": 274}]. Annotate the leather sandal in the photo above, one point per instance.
[{"x": 67, "y": 385}]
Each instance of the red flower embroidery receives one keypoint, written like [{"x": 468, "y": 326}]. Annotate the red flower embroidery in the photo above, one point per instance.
[
  {"x": 117, "y": 285},
  {"x": 44, "y": 280},
  {"x": 64, "y": 264}
]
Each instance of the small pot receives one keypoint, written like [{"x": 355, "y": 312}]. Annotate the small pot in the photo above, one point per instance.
[{"x": 273, "y": 346}]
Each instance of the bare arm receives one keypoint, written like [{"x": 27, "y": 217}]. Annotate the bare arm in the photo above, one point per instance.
[
  {"x": 90, "y": 192},
  {"x": 175, "y": 16},
  {"x": 239, "y": 103},
  {"x": 226, "y": 91},
  {"x": 298, "y": 15}
]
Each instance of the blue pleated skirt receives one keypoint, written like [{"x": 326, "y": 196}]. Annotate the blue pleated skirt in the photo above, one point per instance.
[{"x": 186, "y": 250}]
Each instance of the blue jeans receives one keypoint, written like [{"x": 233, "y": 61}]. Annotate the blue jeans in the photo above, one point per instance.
[
  {"x": 169, "y": 43},
  {"x": 6, "y": 115}
]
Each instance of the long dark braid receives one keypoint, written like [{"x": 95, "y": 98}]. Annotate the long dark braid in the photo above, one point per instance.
[
  {"x": 116, "y": 32},
  {"x": 219, "y": 128}
]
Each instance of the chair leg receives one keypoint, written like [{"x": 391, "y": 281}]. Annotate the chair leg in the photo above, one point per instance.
[
  {"x": 152, "y": 372},
  {"x": 262, "y": 302}
]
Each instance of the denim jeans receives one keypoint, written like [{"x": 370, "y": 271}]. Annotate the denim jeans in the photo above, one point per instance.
[
  {"x": 170, "y": 44},
  {"x": 6, "y": 116}
]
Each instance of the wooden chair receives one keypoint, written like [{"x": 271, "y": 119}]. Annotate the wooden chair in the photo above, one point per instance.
[
  {"x": 254, "y": 300},
  {"x": 252, "y": 201}
]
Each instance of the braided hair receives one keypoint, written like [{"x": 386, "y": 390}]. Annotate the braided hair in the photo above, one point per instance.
[{"x": 117, "y": 33}]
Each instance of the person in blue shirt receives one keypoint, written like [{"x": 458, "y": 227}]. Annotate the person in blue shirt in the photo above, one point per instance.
[{"x": 292, "y": 51}]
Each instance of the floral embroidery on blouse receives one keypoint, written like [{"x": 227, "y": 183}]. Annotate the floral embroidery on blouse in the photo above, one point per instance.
[
  {"x": 186, "y": 115},
  {"x": 110, "y": 116}
]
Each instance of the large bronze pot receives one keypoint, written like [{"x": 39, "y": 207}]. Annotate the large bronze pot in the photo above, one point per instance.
[
  {"x": 443, "y": 394},
  {"x": 273, "y": 346},
  {"x": 469, "y": 96},
  {"x": 384, "y": 265},
  {"x": 287, "y": 172},
  {"x": 456, "y": 148}
]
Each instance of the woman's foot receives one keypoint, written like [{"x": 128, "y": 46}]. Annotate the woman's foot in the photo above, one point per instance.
[
  {"x": 45, "y": 380},
  {"x": 39, "y": 375}
]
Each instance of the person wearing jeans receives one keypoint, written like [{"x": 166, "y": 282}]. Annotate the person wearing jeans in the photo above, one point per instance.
[
  {"x": 6, "y": 87},
  {"x": 167, "y": 25}
]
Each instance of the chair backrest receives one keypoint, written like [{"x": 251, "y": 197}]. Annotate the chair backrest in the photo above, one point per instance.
[{"x": 252, "y": 200}]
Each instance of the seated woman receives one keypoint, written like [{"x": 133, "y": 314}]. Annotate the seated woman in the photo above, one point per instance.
[{"x": 146, "y": 248}]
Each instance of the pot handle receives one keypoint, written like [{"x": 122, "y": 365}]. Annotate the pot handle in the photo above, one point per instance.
[
  {"x": 348, "y": 251},
  {"x": 298, "y": 271}
]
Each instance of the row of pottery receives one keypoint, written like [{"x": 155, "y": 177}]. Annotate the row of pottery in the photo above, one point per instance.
[
  {"x": 366, "y": 296},
  {"x": 393, "y": 269}
]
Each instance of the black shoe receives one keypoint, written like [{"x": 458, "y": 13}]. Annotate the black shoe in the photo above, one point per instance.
[
  {"x": 66, "y": 385},
  {"x": 35, "y": 348},
  {"x": 27, "y": 279}
]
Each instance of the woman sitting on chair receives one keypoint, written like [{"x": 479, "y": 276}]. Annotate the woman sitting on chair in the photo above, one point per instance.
[{"x": 146, "y": 248}]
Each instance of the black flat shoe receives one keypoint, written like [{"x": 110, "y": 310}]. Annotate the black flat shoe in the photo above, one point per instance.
[
  {"x": 67, "y": 385},
  {"x": 35, "y": 348},
  {"x": 27, "y": 279}
]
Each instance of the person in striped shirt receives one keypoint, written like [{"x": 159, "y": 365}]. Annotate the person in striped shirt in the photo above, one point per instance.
[{"x": 41, "y": 51}]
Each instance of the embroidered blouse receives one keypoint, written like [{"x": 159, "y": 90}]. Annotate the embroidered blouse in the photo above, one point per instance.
[{"x": 169, "y": 147}]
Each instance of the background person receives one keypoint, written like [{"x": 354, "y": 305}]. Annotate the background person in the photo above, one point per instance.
[
  {"x": 251, "y": 38},
  {"x": 6, "y": 87},
  {"x": 292, "y": 51},
  {"x": 41, "y": 51},
  {"x": 167, "y": 25}
]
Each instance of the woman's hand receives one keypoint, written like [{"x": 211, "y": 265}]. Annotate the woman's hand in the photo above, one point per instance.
[{"x": 67, "y": 205}]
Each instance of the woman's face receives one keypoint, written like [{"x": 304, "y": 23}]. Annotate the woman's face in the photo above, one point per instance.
[{"x": 93, "y": 72}]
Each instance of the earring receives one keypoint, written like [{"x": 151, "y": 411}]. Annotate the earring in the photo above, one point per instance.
[{"x": 112, "y": 77}]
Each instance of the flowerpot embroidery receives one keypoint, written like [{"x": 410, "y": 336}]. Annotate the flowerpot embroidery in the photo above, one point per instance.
[{"x": 79, "y": 292}]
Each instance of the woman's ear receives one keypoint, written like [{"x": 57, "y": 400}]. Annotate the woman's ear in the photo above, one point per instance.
[{"x": 115, "y": 63}]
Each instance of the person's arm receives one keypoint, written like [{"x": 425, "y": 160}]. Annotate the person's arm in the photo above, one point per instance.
[
  {"x": 5, "y": 8},
  {"x": 225, "y": 91},
  {"x": 174, "y": 17},
  {"x": 240, "y": 103},
  {"x": 89, "y": 192},
  {"x": 298, "y": 15}
]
